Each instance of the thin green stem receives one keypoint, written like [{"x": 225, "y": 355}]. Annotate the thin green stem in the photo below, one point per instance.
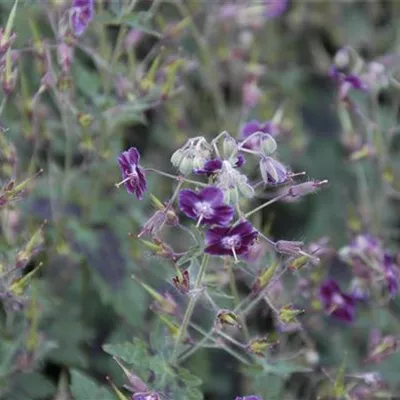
[
  {"x": 190, "y": 308},
  {"x": 235, "y": 293},
  {"x": 176, "y": 177},
  {"x": 275, "y": 199}
]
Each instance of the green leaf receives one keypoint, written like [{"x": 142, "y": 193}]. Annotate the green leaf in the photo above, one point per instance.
[
  {"x": 31, "y": 386},
  {"x": 84, "y": 388},
  {"x": 131, "y": 353}
]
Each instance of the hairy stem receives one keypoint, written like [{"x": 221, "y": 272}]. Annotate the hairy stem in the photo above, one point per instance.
[{"x": 190, "y": 308}]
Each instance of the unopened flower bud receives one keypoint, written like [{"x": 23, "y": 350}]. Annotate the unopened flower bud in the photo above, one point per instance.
[
  {"x": 268, "y": 144},
  {"x": 186, "y": 166},
  {"x": 246, "y": 190},
  {"x": 177, "y": 157},
  {"x": 292, "y": 248},
  {"x": 260, "y": 345},
  {"x": 305, "y": 188},
  {"x": 226, "y": 317},
  {"x": 182, "y": 282},
  {"x": 288, "y": 314},
  {"x": 229, "y": 147},
  {"x": 264, "y": 278},
  {"x": 85, "y": 120}
]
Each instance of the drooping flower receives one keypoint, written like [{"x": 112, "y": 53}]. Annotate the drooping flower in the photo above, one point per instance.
[
  {"x": 82, "y": 13},
  {"x": 336, "y": 303},
  {"x": 230, "y": 241},
  {"x": 133, "y": 175},
  {"x": 272, "y": 171},
  {"x": 207, "y": 206}
]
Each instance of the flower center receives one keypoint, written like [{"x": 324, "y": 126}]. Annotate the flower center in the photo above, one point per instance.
[
  {"x": 231, "y": 242},
  {"x": 204, "y": 209},
  {"x": 337, "y": 300}
]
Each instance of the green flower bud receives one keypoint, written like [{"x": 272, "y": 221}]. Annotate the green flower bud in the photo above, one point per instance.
[{"x": 268, "y": 144}]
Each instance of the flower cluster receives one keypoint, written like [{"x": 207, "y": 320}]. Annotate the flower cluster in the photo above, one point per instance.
[
  {"x": 217, "y": 199},
  {"x": 375, "y": 269}
]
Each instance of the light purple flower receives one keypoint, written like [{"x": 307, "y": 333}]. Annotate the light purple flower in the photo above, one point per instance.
[
  {"x": 82, "y": 13},
  {"x": 230, "y": 241},
  {"x": 133, "y": 174},
  {"x": 336, "y": 303},
  {"x": 207, "y": 206}
]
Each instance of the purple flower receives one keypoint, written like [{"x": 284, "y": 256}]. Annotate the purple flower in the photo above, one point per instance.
[
  {"x": 133, "y": 174},
  {"x": 346, "y": 82},
  {"x": 336, "y": 303},
  {"x": 230, "y": 241},
  {"x": 390, "y": 275},
  {"x": 206, "y": 206},
  {"x": 249, "y": 398},
  {"x": 82, "y": 12}
]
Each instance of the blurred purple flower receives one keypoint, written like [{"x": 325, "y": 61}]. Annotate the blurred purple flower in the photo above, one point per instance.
[
  {"x": 275, "y": 8},
  {"x": 253, "y": 126},
  {"x": 336, "y": 303},
  {"x": 133, "y": 174},
  {"x": 346, "y": 82},
  {"x": 82, "y": 13},
  {"x": 232, "y": 240},
  {"x": 206, "y": 206}
]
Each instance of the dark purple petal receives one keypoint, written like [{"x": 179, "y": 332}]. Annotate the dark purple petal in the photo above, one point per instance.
[
  {"x": 206, "y": 206},
  {"x": 209, "y": 167},
  {"x": 223, "y": 215},
  {"x": 230, "y": 241},
  {"x": 212, "y": 195},
  {"x": 240, "y": 161},
  {"x": 187, "y": 200},
  {"x": 215, "y": 234},
  {"x": 217, "y": 249}
]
